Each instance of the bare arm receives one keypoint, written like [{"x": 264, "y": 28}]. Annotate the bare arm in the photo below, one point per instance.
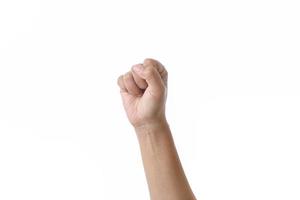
[
  {"x": 165, "y": 176},
  {"x": 144, "y": 93}
]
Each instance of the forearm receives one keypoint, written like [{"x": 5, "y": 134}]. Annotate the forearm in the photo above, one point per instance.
[{"x": 164, "y": 173}]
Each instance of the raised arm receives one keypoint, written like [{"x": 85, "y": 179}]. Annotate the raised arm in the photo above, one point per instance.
[{"x": 144, "y": 93}]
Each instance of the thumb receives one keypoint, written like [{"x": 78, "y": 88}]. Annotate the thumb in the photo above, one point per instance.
[{"x": 151, "y": 76}]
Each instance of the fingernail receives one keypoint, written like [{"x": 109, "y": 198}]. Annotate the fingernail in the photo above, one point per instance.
[{"x": 138, "y": 68}]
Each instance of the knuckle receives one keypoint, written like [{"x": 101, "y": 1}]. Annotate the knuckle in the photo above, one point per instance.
[
  {"x": 162, "y": 68},
  {"x": 120, "y": 78},
  {"x": 149, "y": 61},
  {"x": 166, "y": 72},
  {"x": 127, "y": 76}
]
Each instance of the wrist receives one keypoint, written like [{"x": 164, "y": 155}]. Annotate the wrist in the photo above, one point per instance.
[
  {"x": 155, "y": 138},
  {"x": 152, "y": 124},
  {"x": 152, "y": 128}
]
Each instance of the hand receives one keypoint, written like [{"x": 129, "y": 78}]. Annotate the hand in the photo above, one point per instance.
[{"x": 144, "y": 93}]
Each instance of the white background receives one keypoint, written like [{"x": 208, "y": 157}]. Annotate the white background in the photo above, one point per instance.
[{"x": 233, "y": 104}]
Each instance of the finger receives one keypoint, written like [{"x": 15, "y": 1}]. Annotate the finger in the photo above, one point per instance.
[
  {"x": 152, "y": 77},
  {"x": 141, "y": 83},
  {"x": 130, "y": 84},
  {"x": 121, "y": 84},
  {"x": 160, "y": 68}
]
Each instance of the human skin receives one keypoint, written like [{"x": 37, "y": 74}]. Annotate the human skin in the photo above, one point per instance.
[{"x": 144, "y": 93}]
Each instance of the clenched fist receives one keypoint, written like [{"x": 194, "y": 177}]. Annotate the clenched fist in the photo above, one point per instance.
[{"x": 144, "y": 92}]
